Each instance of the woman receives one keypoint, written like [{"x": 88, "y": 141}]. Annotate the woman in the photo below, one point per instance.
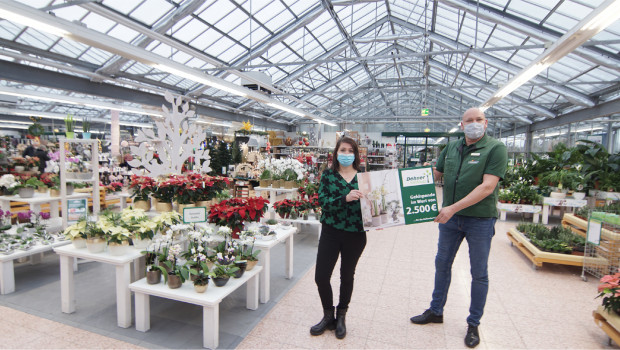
[{"x": 342, "y": 234}]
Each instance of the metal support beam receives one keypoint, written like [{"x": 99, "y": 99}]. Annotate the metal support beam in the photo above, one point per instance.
[{"x": 31, "y": 75}]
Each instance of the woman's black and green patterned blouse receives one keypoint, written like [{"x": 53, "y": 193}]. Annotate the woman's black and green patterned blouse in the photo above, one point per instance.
[{"x": 337, "y": 212}]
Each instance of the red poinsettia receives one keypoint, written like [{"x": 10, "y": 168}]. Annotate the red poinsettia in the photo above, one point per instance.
[
  {"x": 142, "y": 187},
  {"x": 233, "y": 212}
]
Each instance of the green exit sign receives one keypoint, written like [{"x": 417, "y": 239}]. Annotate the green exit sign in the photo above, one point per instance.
[{"x": 425, "y": 112}]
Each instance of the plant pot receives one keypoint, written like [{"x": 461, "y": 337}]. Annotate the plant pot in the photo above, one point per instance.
[
  {"x": 376, "y": 221},
  {"x": 69, "y": 190},
  {"x": 26, "y": 192},
  {"x": 251, "y": 265},
  {"x": 153, "y": 277},
  {"x": 242, "y": 265},
  {"x": 69, "y": 134},
  {"x": 174, "y": 281},
  {"x": 118, "y": 249},
  {"x": 294, "y": 215},
  {"x": 289, "y": 184},
  {"x": 210, "y": 264},
  {"x": 206, "y": 204},
  {"x": 20, "y": 168},
  {"x": 144, "y": 205},
  {"x": 275, "y": 183},
  {"x": 305, "y": 216},
  {"x": 165, "y": 267},
  {"x": 384, "y": 219},
  {"x": 200, "y": 289},
  {"x": 579, "y": 195},
  {"x": 220, "y": 281},
  {"x": 558, "y": 195},
  {"x": 79, "y": 243},
  {"x": 54, "y": 193},
  {"x": 42, "y": 190},
  {"x": 86, "y": 135},
  {"x": 265, "y": 183},
  {"x": 95, "y": 244},
  {"x": 162, "y": 207},
  {"x": 284, "y": 216},
  {"x": 139, "y": 243},
  {"x": 180, "y": 207}
]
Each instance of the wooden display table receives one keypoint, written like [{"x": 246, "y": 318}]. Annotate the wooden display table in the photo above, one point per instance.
[
  {"x": 555, "y": 202},
  {"x": 538, "y": 257},
  {"x": 608, "y": 322},
  {"x": 518, "y": 208},
  {"x": 123, "y": 278},
  {"x": 209, "y": 300},
  {"x": 7, "y": 273},
  {"x": 580, "y": 227}
]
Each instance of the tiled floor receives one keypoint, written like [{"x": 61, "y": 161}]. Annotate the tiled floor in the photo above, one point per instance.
[{"x": 549, "y": 308}]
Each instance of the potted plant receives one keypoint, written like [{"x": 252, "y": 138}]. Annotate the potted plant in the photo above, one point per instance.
[
  {"x": 114, "y": 187},
  {"x": 77, "y": 234},
  {"x": 201, "y": 277},
  {"x": 265, "y": 178},
  {"x": 579, "y": 186},
  {"x": 164, "y": 193},
  {"x": 246, "y": 252},
  {"x": 185, "y": 190},
  {"x": 609, "y": 291},
  {"x": 144, "y": 233},
  {"x": 222, "y": 273},
  {"x": 19, "y": 164},
  {"x": 153, "y": 271},
  {"x": 27, "y": 186},
  {"x": 175, "y": 274},
  {"x": 142, "y": 187},
  {"x": 284, "y": 208},
  {"x": 86, "y": 128},
  {"x": 5, "y": 220},
  {"x": 559, "y": 179},
  {"x": 69, "y": 126},
  {"x": 96, "y": 242},
  {"x": 233, "y": 212},
  {"x": 8, "y": 182}
]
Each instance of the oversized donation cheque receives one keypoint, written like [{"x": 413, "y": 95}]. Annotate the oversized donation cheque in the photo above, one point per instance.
[{"x": 397, "y": 197}]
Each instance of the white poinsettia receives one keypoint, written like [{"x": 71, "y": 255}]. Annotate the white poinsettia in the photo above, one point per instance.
[
  {"x": 128, "y": 214},
  {"x": 77, "y": 230},
  {"x": 167, "y": 218},
  {"x": 8, "y": 181}
]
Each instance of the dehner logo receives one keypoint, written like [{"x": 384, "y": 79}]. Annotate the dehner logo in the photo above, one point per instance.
[{"x": 417, "y": 177}]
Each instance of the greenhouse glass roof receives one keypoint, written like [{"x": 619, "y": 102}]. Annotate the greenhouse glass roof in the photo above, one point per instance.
[{"x": 339, "y": 61}]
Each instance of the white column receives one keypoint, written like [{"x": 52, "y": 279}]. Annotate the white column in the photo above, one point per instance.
[{"x": 115, "y": 133}]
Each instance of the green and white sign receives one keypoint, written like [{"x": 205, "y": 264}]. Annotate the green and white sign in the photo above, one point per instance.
[
  {"x": 76, "y": 208},
  {"x": 397, "y": 197},
  {"x": 424, "y": 112},
  {"x": 418, "y": 195},
  {"x": 195, "y": 214}
]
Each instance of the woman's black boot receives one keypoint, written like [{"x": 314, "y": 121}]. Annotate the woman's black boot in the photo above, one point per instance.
[
  {"x": 341, "y": 327},
  {"x": 328, "y": 322}
]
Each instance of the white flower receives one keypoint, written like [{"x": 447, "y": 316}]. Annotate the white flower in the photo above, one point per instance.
[
  {"x": 193, "y": 250},
  {"x": 224, "y": 230},
  {"x": 200, "y": 249}
]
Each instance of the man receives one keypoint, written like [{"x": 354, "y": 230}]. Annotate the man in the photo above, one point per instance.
[{"x": 471, "y": 169}]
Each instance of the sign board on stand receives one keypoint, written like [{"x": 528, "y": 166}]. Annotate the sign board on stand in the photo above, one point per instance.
[
  {"x": 194, "y": 214},
  {"x": 76, "y": 209}
]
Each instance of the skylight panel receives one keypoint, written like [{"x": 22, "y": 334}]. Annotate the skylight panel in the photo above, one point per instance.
[
  {"x": 232, "y": 21},
  {"x": 215, "y": 13},
  {"x": 561, "y": 22},
  {"x": 70, "y": 13},
  {"x": 232, "y": 53},
  {"x": 300, "y": 6},
  {"x": 164, "y": 50},
  {"x": 122, "y": 6},
  {"x": 123, "y": 33},
  {"x": 36, "y": 39},
  {"x": 271, "y": 11},
  {"x": 529, "y": 11},
  {"x": 220, "y": 46},
  {"x": 205, "y": 39},
  {"x": 278, "y": 22},
  {"x": 69, "y": 48},
  {"x": 150, "y": 11},
  {"x": 96, "y": 56},
  {"x": 98, "y": 23},
  {"x": 190, "y": 31}
]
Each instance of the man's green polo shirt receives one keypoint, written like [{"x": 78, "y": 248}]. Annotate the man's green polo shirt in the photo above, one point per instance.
[{"x": 463, "y": 168}]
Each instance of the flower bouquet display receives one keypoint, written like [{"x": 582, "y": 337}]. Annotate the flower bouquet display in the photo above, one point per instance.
[
  {"x": 142, "y": 187},
  {"x": 233, "y": 212}
]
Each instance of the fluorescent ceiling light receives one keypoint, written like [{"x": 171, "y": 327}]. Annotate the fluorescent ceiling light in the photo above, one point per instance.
[
  {"x": 15, "y": 122},
  {"x": 453, "y": 129},
  {"x": 9, "y": 126},
  {"x": 441, "y": 139},
  {"x": 600, "y": 18},
  {"x": 30, "y": 22},
  {"x": 225, "y": 124},
  {"x": 285, "y": 108},
  {"x": 59, "y": 116},
  {"x": 39, "y": 95}
]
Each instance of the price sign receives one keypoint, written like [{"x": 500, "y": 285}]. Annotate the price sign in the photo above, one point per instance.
[
  {"x": 424, "y": 112},
  {"x": 197, "y": 214},
  {"x": 76, "y": 209}
]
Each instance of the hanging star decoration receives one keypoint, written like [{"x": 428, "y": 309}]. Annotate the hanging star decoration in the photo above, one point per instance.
[{"x": 247, "y": 127}]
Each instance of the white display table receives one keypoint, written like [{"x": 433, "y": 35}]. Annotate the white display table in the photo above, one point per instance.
[
  {"x": 38, "y": 199},
  {"x": 556, "y": 202},
  {"x": 122, "y": 198},
  {"x": 264, "y": 258},
  {"x": 272, "y": 195},
  {"x": 123, "y": 278},
  {"x": 311, "y": 221},
  {"x": 7, "y": 274},
  {"x": 209, "y": 300},
  {"x": 609, "y": 197},
  {"x": 518, "y": 208}
]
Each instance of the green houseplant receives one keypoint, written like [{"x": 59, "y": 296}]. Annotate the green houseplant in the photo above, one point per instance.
[
  {"x": 86, "y": 128},
  {"x": 69, "y": 126},
  {"x": 27, "y": 187}
]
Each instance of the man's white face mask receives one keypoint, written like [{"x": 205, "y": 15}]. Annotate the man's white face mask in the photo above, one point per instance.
[{"x": 474, "y": 131}]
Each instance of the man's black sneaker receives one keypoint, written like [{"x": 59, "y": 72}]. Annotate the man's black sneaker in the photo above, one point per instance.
[
  {"x": 472, "y": 339},
  {"x": 427, "y": 317}
]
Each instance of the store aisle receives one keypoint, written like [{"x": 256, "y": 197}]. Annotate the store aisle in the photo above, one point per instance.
[{"x": 549, "y": 308}]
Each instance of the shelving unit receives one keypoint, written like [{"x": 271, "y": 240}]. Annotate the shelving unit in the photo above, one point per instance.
[{"x": 94, "y": 161}]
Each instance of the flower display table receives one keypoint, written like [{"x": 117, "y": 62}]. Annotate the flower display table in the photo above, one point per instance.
[
  {"x": 609, "y": 197},
  {"x": 7, "y": 275},
  {"x": 273, "y": 193},
  {"x": 36, "y": 201},
  {"x": 210, "y": 301},
  {"x": 538, "y": 257},
  {"x": 123, "y": 278},
  {"x": 580, "y": 226},
  {"x": 518, "y": 208},
  {"x": 556, "y": 202},
  {"x": 608, "y": 322},
  {"x": 283, "y": 234},
  {"x": 313, "y": 221}
]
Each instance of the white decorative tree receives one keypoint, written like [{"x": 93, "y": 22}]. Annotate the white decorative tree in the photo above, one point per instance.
[{"x": 177, "y": 140}]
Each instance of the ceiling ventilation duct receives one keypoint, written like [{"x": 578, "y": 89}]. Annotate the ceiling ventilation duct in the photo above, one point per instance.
[{"x": 262, "y": 78}]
